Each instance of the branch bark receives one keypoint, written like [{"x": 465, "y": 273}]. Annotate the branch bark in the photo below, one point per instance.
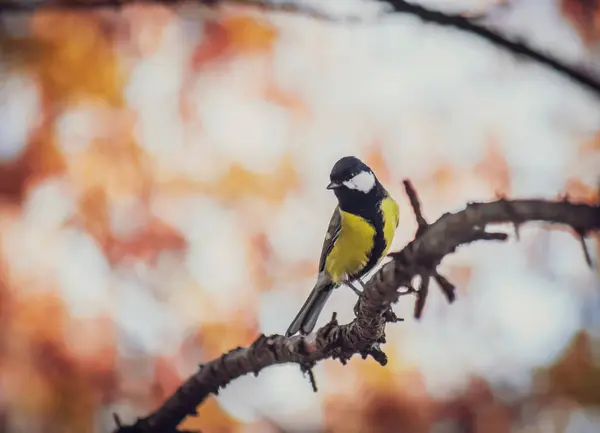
[
  {"x": 366, "y": 332},
  {"x": 515, "y": 46}
]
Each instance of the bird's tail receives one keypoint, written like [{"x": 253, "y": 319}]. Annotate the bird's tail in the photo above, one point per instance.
[{"x": 306, "y": 319}]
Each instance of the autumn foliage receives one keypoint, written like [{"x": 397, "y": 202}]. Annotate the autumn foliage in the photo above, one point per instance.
[{"x": 122, "y": 198}]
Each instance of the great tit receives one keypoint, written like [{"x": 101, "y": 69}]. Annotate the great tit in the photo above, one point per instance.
[{"x": 359, "y": 235}]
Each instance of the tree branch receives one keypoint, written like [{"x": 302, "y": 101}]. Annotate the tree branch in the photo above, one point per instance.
[
  {"x": 457, "y": 21},
  {"x": 517, "y": 47},
  {"x": 367, "y": 331}
]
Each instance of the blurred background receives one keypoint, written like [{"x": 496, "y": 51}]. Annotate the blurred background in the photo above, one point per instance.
[{"x": 162, "y": 200}]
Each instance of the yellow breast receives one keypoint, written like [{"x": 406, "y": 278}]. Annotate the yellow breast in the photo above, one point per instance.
[
  {"x": 350, "y": 252},
  {"x": 391, "y": 216}
]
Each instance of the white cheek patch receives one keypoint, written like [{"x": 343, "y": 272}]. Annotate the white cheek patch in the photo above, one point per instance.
[{"x": 363, "y": 182}]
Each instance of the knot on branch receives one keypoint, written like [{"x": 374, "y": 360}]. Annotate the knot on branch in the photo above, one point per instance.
[{"x": 332, "y": 341}]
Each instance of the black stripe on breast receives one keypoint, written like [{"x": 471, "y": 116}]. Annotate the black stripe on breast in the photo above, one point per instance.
[
  {"x": 378, "y": 243},
  {"x": 368, "y": 206}
]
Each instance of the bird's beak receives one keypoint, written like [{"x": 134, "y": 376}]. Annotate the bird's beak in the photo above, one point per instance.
[{"x": 333, "y": 185}]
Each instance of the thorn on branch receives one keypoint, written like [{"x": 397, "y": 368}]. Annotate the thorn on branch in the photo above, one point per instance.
[
  {"x": 512, "y": 215},
  {"x": 447, "y": 287},
  {"x": 331, "y": 344},
  {"x": 376, "y": 353},
  {"x": 328, "y": 335},
  {"x": 422, "y": 296},
  {"x": 586, "y": 253},
  {"x": 565, "y": 198},
  {"x": 332, "y": 324},
  {"x": 390, "y": 317},
  {"x": 313, "y": 381},
  {"x": 342, "y": 357},
  {"x": 517, "y": 230},
  {"x": 307, "y": 369}
]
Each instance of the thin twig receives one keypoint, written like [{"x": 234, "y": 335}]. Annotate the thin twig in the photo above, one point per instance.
[{"x": 516, "y": 46}]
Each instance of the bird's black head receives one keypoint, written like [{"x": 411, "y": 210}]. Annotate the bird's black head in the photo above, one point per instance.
[
  {"x": 351, "y": 173},
  {"x": 353, "y": 182}
]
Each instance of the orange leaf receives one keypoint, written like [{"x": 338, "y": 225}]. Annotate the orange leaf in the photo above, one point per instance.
[
  {"x": 215, "y": 43},
  {"x": 40, "y": 316},
  {"x": 217, "y": 338},
  {"x": 247, "y": 33},
  {"x": 577, "y": 191},
  {"x": 275, "y": 94},
  {"x": 120, "y": 168},
  {"x": 93, "y": 214},
  {"x": 236, "y": 33},
  {"x": 76, "y": 58},
  {"x": 39, "y": 160},
  {"x": 584, "y": 15},
  {"x": 146, "y": 243},
  {"x": 167, "y": 380}
]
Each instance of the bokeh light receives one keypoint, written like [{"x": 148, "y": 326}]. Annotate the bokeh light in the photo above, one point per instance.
[{"x": 162, "y": 201}]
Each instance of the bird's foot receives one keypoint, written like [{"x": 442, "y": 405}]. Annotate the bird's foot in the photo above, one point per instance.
[{"x": 354, "y": 289}]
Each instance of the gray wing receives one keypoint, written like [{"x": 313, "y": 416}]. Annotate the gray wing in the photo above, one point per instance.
[{"x": 331, "y": 236}]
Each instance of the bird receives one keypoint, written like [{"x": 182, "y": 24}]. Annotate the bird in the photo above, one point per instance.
[{"x": 359, "y": 235}]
